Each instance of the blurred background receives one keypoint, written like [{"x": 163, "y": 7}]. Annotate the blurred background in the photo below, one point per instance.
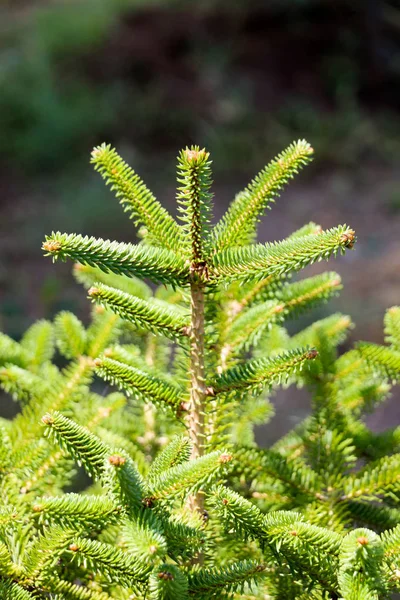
[{"x": 243, "y": 78}]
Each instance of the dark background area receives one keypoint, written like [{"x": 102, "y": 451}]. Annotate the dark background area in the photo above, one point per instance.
[{"x": 243, "y": 78}]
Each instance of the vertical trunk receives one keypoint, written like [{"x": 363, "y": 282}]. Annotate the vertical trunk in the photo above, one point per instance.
[
  {"x": 198, "y": 388},
  {"x": 149, "y": 436}
]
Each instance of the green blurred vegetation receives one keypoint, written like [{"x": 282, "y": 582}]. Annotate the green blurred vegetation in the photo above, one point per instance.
[
  {"x": 243, "y": 78},
  {"x": 66, "y": 82}
]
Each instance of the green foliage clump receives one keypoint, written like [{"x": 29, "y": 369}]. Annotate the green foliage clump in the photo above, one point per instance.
[{"x": 180, "y": 501}]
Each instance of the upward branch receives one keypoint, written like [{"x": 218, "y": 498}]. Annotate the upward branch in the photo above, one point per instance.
[
  {"x": 195, "y": 204},
  {"x": 238, "y": 226},
  {"x": 161, "y": 228},
  {"x": 194, "y": 199}
]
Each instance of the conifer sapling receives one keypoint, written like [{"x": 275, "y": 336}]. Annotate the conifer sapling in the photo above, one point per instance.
[{"x": 182, "y": 502}]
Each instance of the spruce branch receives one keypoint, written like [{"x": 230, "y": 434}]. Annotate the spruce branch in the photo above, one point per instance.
[
  {"x": 122, "y": 259},
  {"x": 138, "y": 382},
  {"x": 88, "y": 276},
  {"x": 304, "y": 295},
  {"x": 256, "y": 374},
  {"x": 236, "y": 512},
  {"x": 70, "y": 335},
  {"x": 168, "y": 582},
  {"x": 74, "y": 510},
  {"x": 391, "y": 547},
  {"x": 104, "y": 330},
  {"x": 123, "y": 481},
  {"x": 392, "y": 327},
  {"x": 142, "y": 313},
  {"x": 309, "y": 229},
  {"x": 43, "y": 470},
  {"x": 144, "y": 538},
  {"x": 292, "y": 299},
  {"x": 206, "y": 583},
  {"x": 184, "y": 541},
  {"x": 377, "y": 516},
  {"x": 260, "y": 261},
  {"x": 10, "y": 590},
  {"x": 361, "y": 572},
  {"x": 39, "y": 342},
  {"x": 177, "y": 452},
  {"x": 265, "y": 287},
  {"x": 7, "y": 567},
  {"x": 386, "y": 360},
  {"x": 294, "y": 473},
  {"x": 194, "y": 202},
  {"x": 284, "y": 532},
  {"x": 238, "y": 226},
  {"x": 21, "y": 384},
  {"x": 71, "y": 591},
  {"x": 334, "y": 328},
  {"x": 44, "y": 553},
  {"x": 248, "y": 327},
  {"x": 380, "y": 478},
  {"x": 63, "y": 391},
  {"x": 86, "y": 448},
  {"x": 137, "y": 200},
  {"x": 188, "y": 477},
  {"x": 12, "y": 352},
  {"x": 109, "y": 562}
]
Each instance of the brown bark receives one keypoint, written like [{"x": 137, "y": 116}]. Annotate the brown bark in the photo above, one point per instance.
[{"x": 198, "y": 392}]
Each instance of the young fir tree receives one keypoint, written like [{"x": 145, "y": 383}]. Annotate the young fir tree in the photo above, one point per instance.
[{"x": 181, "y": 501}]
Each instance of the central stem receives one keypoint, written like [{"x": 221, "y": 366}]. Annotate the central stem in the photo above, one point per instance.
[{"x": 198, "y": 391}]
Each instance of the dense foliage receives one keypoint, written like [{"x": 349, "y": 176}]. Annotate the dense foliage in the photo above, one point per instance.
[{"x": 181, "y": 502}]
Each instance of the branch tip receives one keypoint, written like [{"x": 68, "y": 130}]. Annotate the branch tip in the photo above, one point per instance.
[
  {"x": 362, "y": 540},
  {"x": 279, "y": 308},
  {"x": 97, "y": 152},
  {"x": 116, "y": 460},
  {"x": 336, "y": 282},
  {"x": 225, "y": 458},
  {"x": 51, "y": 246},
  {"x": 166, "y": 575},
  {"x": 348, "y": 239},
  {"x": 193, "y": 155},
  {"x": 104, "y": 412},
  {"x": 47, "y": 419}
]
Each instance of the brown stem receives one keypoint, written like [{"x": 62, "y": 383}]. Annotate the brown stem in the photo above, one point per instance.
[
  {"x": 198, "y": 390},
  {"x": 148, "y": 409}
]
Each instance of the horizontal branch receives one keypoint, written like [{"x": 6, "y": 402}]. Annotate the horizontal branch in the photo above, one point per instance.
[
  {"x": 123, "y": 259},
  {"x": 166, "y": 320},
  {"x": 259, "y": 373},
  {"x": 133, "y": 380},
  {"x": 264, "y": 260}
]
